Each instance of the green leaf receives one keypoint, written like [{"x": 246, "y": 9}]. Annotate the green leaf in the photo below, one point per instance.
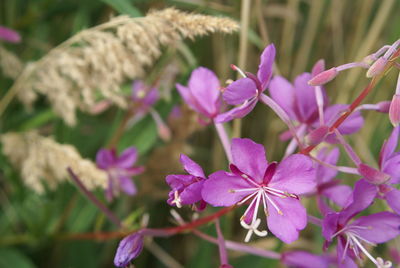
[
  {"x": 10, "y": 257},
  {"x": 123, "y": 7}
]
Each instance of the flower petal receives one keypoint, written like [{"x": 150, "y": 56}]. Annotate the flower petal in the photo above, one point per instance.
[
  {"x": 9, "y": 35},
  {"x": 205, "y": 88},
  {"x": 339, "y": 194},
  {"x": 105, "y": 158},
  {"x": 282, "y": 92},
  {"x": 295, "y": 174},
  {"x": 344, "y": 259},
  {"x": 325, "y": 174},
  {"x": 393, "y": 199},
  {"x": 363, "y": 196},
  {"x": 177, "y": 182},
  {"x": 286, "y": 226},
  {"x": 305, "y": 96},
  {"x": 127, "y": 158},
  {"x": 249, "y": 157},
  {"x": 127, "y": 185},
  {"x": 267, "y": 58},
  {"x": 240, "y": 91},
  {"x": 329, "y": 225},
  {"x": 381, "y": 227},
  {"x": 190, "y": 100},
  {"x": 304, "y": 259},
  {"x": 390, "y": 145},
  {"x": 237, "y": 112},
  {"x": 219, "y": 189},
  {"x": 392, "y": 167},
  {"x": 352, "y": 123},
  {"x": 191, "y": 167},
  {"x": 192, "y": 193}
]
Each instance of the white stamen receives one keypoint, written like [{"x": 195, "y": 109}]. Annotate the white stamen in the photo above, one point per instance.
[
  {"x": 253, "y": 229},
  {"x": 177, "y": 200}
]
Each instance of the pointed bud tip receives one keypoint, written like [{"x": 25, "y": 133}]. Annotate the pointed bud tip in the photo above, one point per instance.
[
  {"x": 317, "y": 135},
  {"x": 377, "y": 67},
  {"x": 323, "y": 77},
  {"x": 372, "y": 175},
  {"x": 394, "y": 110},
  {"x": 128, "y": 249}
]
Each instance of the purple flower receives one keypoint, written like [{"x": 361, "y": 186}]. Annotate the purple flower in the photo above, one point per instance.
[
  {"x": 327, "y": 186},
  {"x": 274, "y": 186},
  {"x": 246, "y": 91},
  {"x": 202, "y": 93},
  {"x": 186, "y": 189},
  {"x": 129, "y": 248},
  {"x": 300, "y": 103},
  {"x": 9, "y": 35},
  {"x": 304, "y": 259},
  {"x": 351, "y": 235},
  {"x": 389, "y": 163},
  {"x": 120, "y": 169},
  {"x": 143, "y": 95}
]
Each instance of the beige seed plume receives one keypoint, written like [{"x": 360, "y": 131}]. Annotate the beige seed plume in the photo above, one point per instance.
[
  {"x": 95, "y": 62},
  {"x": 41, "y": 158},
  {"x": 10, "y": 64}
]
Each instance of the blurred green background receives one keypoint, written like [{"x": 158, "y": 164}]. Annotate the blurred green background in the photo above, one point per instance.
[{"x": 34, "y": 229}]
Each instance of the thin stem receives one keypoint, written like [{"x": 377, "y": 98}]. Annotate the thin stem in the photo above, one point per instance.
[
  {"x": 320, "y": 103},
  {"x": 89, "y": 195},
  {"x": 243, "y": 44},
  {"x": 240, "y": 247},
  {"x": 221, "y": 244},
  {"x": 348, "y": 170},
  {"x": 358, "y": 100},
  {"x": 282, "y": 115},
  {"x": 223, "y": 136},
  {"x": 350, "y": 152},
  {"x": 314, "y": 220}
]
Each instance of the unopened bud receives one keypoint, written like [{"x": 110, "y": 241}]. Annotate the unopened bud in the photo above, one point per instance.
[
  {"x": 324, "y": 77},
  {"x": 128, "y": 249},
  {"x": 377, "y": 67},
  {"x": 372, "y": 175},
  {"x": 317, "y": 135},
  {"x": 383, "y": 106},
  {"x": 394, "y": 110},
  {"x": 318, "y": 68}
]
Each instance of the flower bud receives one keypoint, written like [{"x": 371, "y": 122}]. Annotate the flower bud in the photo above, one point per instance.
[
  {"x": 129, "y": 248},
  {"x": 394, "y": 110},
  {"x": 317, "y": 135},
  {"x": 383, "y": 106},
  {"x": 377, "y": 67},
  {"x": 372, "y": 175},
  {"x": 324, "y": 77}
]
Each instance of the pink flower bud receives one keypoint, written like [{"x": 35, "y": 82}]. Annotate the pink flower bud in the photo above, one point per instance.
[
  {"x": 324, "y": 77},
  {"x": 372, "y": 175},
  {"x": 377, "y": 67},
  {"x": 317, "y": 135},
  {"x": 383, "y": 106},
  {"x": 394, "y": 110},
  {"x": 318, "y": 67}
]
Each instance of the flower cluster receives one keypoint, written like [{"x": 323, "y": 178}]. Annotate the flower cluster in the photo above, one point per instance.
[{"x": 317, "y": 128}]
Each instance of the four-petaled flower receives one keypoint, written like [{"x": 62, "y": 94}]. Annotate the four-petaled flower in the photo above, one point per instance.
[
  {"x": 275, "y": 187},
  {"x": 351, "y": 235},
  {"x": 186, "y": 189},
  {"x": 246, "y": 91},
  {"x": 120, "y": 169}
]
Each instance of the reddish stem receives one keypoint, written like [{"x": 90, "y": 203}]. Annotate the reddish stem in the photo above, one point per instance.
[{"x": 357, "y": 101}]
